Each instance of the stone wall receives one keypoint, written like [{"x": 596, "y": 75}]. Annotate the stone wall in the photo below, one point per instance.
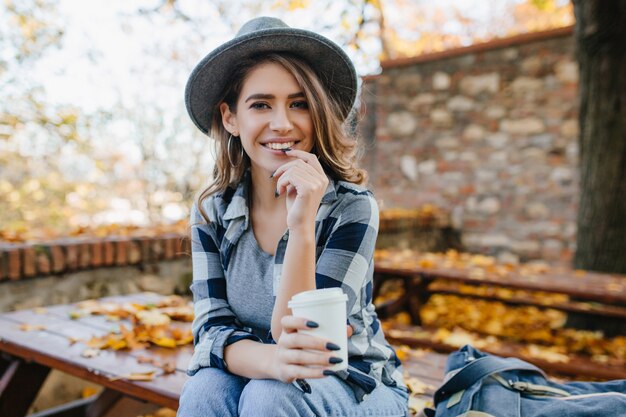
[{"x": 488, "y": 133}]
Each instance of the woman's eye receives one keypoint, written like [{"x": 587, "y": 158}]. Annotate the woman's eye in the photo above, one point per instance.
[
  {"x": 259, "y": 106},
  {"x": 300, "y": 104}
]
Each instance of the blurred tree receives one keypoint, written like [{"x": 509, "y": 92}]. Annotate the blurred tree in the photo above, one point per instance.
[
  {"x": 33, "y": 132},
  {"x": 600, "y": 38},
  {"x": 413, "y": 28}
]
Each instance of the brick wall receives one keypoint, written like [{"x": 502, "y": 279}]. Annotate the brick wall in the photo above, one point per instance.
[
  {"x": 70, "y": 270},
  {"x": 487, "y": 133},
  {"x": 22, "y": 261}
]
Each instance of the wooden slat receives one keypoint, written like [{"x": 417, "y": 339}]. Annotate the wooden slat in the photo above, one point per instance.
[
  {"x": 179, "y": 356},
  {"x": 578, "y": 366},
  {"x": 57, "y": 321},
  {"x": 572, "y": 307},
  {"x": 588, "y": 286},
  {"x": 53, "y": 349}
]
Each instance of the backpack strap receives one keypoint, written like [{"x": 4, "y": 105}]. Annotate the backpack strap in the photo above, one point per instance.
[{"x": 478, "y": 369}]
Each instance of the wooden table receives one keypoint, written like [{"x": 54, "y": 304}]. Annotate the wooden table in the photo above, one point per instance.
[
  {"x": 601, "y": 294},
  {"x": 26, "y": 358}
]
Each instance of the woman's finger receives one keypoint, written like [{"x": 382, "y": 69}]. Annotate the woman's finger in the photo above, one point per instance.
[
  {"x": 309, "y": 358},
  {"x": 307, "y": 157},
  {"x": 296, "y": 163},
  {"x": 292, "y": 323},
  {"x": 299, "y": 180},
  {"x": 293, "y": 372},
  {"x": 304, "y": 341}
]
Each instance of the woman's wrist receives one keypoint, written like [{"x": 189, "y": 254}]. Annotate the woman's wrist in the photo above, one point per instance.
[
  {"x": 271, "y": 362},
  {"x": 305, "y": 229}
]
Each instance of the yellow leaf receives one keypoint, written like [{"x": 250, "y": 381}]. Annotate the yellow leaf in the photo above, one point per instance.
[
  {"x": 136, "y": 376},
  {"x": 89, "y": 391},
  {"x": 167, "y": 342},
  {"x": 417, "y": 386},
  {"x": 25, "y": 327},
  {"x": 418, "y": 404}
]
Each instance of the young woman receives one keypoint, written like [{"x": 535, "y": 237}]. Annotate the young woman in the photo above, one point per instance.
[{"x": 284, "y": 214}]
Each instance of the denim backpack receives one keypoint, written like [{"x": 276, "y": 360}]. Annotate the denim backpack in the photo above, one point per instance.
[{"x": 483, "y": 385}]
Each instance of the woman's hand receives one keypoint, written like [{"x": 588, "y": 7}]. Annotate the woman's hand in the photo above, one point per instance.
[
  {"x": 304, "y": 181},
  {"x": 300, "y": 356}
]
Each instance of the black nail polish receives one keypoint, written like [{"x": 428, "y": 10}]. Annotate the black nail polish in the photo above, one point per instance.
[
  {"x": 285, "y": 150},
  {"x": 312, "y": 324},
  {"x": 272, "y": 176},
  {"x": 328, "y": 372},
  {"x": 276, "y": 194},
  {"x": 335, "y": 360},
  {"x": 304, "y": 386},
  {"x": 332, "y": 346}
]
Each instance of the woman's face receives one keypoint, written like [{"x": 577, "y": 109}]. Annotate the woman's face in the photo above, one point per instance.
[{"x": 272, "y": 114}]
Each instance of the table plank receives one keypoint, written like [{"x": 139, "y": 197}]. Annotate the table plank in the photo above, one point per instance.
[
  {"x": 577, "y": 366},
  {"x": 52, "y": 348},
  {"x": 585, "y": 286},
  {"x": 57, "y": 321}
]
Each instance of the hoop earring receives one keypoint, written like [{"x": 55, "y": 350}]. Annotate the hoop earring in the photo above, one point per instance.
[{"x": 229, "y": 152}]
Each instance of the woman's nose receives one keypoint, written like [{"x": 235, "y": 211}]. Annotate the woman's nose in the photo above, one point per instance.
[{"x": 280, "y": 121}]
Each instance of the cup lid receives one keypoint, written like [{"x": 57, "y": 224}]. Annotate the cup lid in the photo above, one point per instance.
[{"x": 323, "y": 295}]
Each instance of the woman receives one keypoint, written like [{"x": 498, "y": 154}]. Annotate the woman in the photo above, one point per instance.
[{"x": 284, "y": 214}]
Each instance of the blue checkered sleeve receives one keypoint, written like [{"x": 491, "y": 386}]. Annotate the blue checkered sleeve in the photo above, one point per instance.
[
  {"x": 215, "y": 326},
  {"x": 346, "y": 259}
]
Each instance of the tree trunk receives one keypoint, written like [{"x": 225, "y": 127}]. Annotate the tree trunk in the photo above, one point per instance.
[{"x": 601, "y": 48}]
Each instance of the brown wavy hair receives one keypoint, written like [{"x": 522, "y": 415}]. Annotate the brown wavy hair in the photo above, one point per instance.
[{"x": 335, "y": 148}]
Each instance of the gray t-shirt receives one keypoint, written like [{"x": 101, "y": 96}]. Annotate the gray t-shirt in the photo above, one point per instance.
[{"x": 249, "y": 285}]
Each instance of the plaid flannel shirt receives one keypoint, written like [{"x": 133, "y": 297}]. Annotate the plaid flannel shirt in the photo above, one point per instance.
[{"x": 346, "y": 228}]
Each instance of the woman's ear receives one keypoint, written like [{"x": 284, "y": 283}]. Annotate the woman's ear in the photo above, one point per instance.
[{"x": 229, "y": 119}]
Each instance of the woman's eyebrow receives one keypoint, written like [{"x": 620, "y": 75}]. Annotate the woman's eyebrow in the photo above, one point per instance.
[{"x": 271, "y": 96}]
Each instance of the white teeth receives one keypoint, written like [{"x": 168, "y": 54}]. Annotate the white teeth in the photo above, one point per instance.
[{"x": 278, "y": 146}]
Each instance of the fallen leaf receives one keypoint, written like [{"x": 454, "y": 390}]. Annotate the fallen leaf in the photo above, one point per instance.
[
  {"x": 417, "y": 404},
  {"x": 545, "y": 353},
  {"x": 167, "y": 342},
  {"x": 25, "y": 327},
  {"x": 168, "y": 368},
  {"x": 75, "y": 315},
  {"x": 90, "y": 353},
  {"x": 89, "y": 391},
  {"x": 136, "y": 376},
  {"x": 417, "y": 386}
]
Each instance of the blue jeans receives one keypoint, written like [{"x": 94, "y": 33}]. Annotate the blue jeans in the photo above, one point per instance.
[{"x": 213, "y": 392}]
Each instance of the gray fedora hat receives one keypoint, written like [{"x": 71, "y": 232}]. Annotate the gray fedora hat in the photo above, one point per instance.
[{"x": 263, "y": 35}]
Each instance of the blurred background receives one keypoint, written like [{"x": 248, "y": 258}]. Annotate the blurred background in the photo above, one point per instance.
[
  {"x": 469, "y": 121},
  {"x": 93, "y": 128}
]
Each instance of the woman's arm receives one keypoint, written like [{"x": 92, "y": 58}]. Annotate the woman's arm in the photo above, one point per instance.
[
  {"x": 214, "y": 326},
  {"x": 303, "y": 182},
  {"x": 298, "y": 273}
]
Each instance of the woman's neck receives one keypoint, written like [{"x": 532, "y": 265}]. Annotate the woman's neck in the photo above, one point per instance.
[{"x": 262, "y": 193}]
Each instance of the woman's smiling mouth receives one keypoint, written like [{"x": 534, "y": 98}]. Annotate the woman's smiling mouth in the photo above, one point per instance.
[{"x": 277, "y": 146}]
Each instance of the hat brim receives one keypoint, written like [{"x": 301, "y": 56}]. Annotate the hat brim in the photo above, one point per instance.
[{"x": 329, "y": 61}]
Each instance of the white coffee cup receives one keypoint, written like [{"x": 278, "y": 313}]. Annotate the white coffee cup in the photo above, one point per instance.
[{"x": 326, "y": 307}]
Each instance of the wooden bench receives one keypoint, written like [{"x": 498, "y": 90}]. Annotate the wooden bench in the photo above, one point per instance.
[
  {"x": 32, "y": 342},
  {"x": 586, "y": 293}
]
